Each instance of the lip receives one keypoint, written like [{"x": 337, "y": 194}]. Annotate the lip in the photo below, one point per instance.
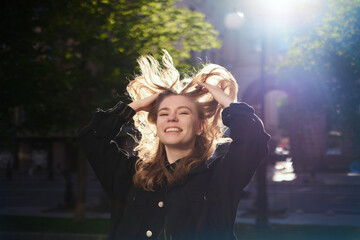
[{"x": 180, "y": 129}]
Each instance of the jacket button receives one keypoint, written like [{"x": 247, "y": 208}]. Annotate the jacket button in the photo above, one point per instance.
[
  {"x": 148, "y": 233},
  {"x": 95, "y": 132},
  {"x": 161, "y": 204}
]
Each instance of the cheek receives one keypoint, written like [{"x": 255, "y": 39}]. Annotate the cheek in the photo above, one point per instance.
[
  {"x": 194, "y": 126},
  {"x": 157, "y": 127},
  {"x": 159, "y": 124}
]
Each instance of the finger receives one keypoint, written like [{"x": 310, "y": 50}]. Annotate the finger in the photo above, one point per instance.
[
  {"x": 208, "y": 85},
  {"x": 204, "y": 85},
  {"x": 204, "y": 90},
  {"x": 201, "y": 89},
  {"x": 153, "y": 97}
]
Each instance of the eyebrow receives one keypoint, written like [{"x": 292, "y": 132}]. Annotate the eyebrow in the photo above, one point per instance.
[{"x": 166, "y": 108}]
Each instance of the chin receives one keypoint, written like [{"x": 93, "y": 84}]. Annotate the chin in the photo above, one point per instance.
[{"x": 171, "y": 144}]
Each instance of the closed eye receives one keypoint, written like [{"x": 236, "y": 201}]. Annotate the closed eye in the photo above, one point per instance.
[
  {"x": 163, "y": 114},
  {"x": 184, "y": 113}
]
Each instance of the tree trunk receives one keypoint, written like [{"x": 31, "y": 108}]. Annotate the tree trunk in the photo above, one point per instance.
[{"x": 81, "y": 188}]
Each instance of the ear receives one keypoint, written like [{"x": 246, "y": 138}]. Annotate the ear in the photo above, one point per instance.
[{"x": 200, "y": 128}]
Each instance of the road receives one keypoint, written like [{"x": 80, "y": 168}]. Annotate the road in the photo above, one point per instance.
[
  {"x": 37, "y": 191},
  {"x": 308, "y": 198}
]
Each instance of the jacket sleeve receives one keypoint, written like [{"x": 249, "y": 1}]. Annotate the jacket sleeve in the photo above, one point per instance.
[
  {"x": 249, "y": 144},
  {"x": 96, "y": 139}
]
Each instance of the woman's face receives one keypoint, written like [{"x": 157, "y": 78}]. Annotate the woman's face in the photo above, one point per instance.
[{"x": 177, "y": 122}]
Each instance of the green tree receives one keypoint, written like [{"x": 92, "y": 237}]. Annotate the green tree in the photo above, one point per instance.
[
  {"x": 53, "y": 53},
  {"x": 62, "y": 59},
  {"x": 328, "y": 56}
]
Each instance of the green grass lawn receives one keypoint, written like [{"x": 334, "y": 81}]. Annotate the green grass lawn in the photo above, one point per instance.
[
  {"x": 297, "y": 232},
  {"x": 243, "y": 231}
]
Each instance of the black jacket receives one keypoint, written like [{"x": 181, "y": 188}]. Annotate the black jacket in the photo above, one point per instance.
[{"x": 201, "y": 206}]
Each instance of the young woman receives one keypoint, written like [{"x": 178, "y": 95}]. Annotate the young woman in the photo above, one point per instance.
[{"x": 175, "y": 188}]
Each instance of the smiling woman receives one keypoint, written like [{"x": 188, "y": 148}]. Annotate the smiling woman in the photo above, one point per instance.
[
  {"x": 205, "y": 103},
  {"x": 174, "y": 189}
]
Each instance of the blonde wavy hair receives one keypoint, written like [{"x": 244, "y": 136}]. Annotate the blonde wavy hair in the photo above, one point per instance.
[{"x": 163, "y": 78}]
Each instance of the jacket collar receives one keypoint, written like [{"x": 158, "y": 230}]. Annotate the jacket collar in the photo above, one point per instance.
[{"x": 204, "y": 166}]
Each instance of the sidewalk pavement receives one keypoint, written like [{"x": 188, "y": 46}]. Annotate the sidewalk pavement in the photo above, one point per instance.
[
  {"x": 291, "y": 218},
  {"x": 329, "y": 219},
  {"x": 311, "y": 219}
]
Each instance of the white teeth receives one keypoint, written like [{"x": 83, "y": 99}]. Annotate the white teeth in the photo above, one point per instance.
[{"x": 172, "y": 130}]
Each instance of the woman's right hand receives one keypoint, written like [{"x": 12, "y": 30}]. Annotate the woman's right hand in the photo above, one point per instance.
[{"x": 144, "y": 104}]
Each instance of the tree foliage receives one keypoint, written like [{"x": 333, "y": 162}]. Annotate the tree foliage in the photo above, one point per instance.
[
  {"x": 62, "y": 59},
  {"x": 329, "y": 52}
]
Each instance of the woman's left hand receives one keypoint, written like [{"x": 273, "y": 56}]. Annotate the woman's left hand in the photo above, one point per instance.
[{"x": 222, "y": 98}]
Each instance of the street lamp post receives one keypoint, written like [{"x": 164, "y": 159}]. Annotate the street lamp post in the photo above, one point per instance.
[
  {"x": 264, "y": 12},
  {"x": 279, "y": 13},
  {"x": 235, "y": 21}
]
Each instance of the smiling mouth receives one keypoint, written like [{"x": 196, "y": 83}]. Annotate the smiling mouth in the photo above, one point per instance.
[{"x": 172, "y": 129}]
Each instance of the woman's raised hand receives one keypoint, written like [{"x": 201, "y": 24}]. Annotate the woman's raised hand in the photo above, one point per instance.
[
  {"x": 144, "y": 104},
  {"x": 222, "y": 98}
]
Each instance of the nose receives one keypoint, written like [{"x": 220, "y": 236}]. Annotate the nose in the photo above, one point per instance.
[{"x": 172, "y": 117}]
